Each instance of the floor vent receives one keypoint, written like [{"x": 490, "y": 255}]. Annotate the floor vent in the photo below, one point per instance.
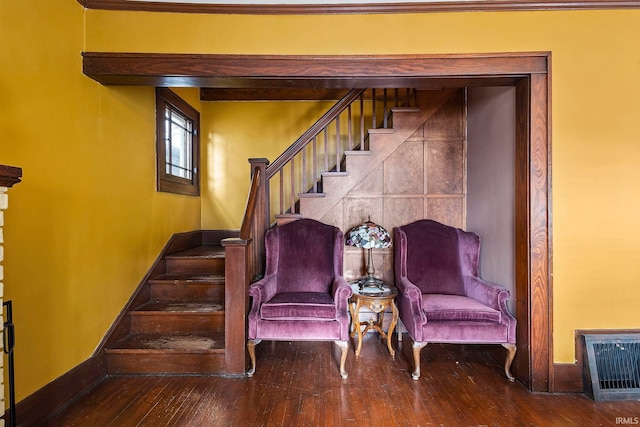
[{"x": 612, "y": 371}]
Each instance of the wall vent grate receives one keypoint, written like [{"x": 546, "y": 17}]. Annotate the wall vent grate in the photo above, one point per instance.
[{"x": 613, "y": 368}]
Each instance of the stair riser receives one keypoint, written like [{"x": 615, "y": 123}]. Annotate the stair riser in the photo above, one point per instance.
[
  {"x": 174, "y": 323},
  {"x": 382, "y": 145},
  {"x": 195, "y": 265},
  {"x": 187, "y": 292},
  {"x": 357, "y": 162},
  {"x": 332, "y": 181},
  {"x": 179, "y": 363}
]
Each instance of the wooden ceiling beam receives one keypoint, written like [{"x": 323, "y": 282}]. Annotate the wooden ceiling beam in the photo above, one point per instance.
[
  {"x": 308, "y": 72},
  {"x": 271, "y": 94},
  {"x": 323, "y": 94}
]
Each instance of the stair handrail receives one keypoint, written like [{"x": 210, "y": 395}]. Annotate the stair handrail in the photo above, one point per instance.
[
  {"x": 249, "y": 213},
  {"x": 254, "y": 222},
  {"x": 313, "y": 131}
]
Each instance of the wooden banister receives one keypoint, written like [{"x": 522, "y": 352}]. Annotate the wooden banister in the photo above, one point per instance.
[
  {"x": 343, "y": 129},
  {"x": 313, "y": 131},
  {"x": 243, "y": 262},
  {"x": 249, "y": 214}
]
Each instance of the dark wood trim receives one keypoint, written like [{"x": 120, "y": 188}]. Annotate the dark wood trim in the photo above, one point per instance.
[
  {"x": 534, "y": 360},
  {"x": 167, "y": 182},
  {"x": 236, "y": 300},
  {"x": 363, "y": 8},
  {"x": 330, "y": 94},
  {"x": 250, "y": 211},
  {"x": 539, "y": 238},
  {"x": 567, "y": 378},
  {"x": 9, "y": 175},
  {"x": 549, "y": 226},
  {"x": 275, "y": 94},
  {"x": 294, "y": 71},
  {"x": 35, "y": 408},
  {"x": 522, "y": 362}
]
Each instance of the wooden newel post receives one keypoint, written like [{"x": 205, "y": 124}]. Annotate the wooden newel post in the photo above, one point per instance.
[{"x": 236, "y": 301}]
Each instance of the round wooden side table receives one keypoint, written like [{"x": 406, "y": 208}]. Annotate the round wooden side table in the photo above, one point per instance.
[{"x": 377, "y": 299}]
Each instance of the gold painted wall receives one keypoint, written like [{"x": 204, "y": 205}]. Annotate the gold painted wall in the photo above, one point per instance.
[
  {"x": 86, "y": 222},
  {"x": 595, "y": 150},
  {"x": 233, "y": 132}
]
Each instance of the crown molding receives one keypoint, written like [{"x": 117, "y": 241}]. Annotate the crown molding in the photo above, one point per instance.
[{"x": 360, "y": 8}]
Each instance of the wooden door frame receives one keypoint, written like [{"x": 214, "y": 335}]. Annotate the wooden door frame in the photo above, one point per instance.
[
  {"x": 528, "y": 72},
  {"x": 533, "y": 233}
]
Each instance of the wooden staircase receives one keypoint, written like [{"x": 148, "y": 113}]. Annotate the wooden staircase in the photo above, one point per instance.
[
  {"x": 359, "y": 163},
  {"x": 176, "y": 322}
]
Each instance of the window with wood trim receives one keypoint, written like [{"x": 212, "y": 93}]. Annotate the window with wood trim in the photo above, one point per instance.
[{"x": 177, "y": 144}]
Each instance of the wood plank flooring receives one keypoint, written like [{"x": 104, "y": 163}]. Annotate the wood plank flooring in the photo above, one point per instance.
[{"x": 298, "y": 384}]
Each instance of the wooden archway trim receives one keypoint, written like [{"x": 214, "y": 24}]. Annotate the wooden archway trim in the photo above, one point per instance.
[{"x": 528, "y": 72}]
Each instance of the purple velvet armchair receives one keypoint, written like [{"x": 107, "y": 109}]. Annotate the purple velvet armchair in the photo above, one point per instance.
[
  {"x": 303, "y": 296},
  {"x": 441, "y": 299}
]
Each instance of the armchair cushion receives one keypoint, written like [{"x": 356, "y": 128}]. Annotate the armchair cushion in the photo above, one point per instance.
[
  {"x": 432, "y": 254},
  {"x": 440, "y": 307},
  {"x": 299, "y": 306},
  {"x": 304, "y": 256}
]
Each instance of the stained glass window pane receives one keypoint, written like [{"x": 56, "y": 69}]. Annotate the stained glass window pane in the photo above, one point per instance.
[{"x": 178, "y": 145}]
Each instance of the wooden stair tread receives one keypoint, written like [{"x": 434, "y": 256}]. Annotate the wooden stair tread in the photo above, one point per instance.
[
  {"x": 182, "y": 307},
  {"x": 188, "y": 278},
  {"x": 382, "y": 131},
  {"x": 172, "y": 343},
  {"x": 405, "y": 109},
  {"x": 205, "y": 251},
  {"x": 310, "y": 195}
]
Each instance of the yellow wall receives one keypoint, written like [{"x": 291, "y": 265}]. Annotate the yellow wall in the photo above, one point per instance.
[
  {"x": 86, "y": 222},
  {"x": 233, "y": 132},
  {"x": 595, "y": 124}
]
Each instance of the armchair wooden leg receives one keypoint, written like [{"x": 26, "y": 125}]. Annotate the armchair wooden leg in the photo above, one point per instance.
[
  {"x": 417, "y": 346},
  {"x": 511, "y": 348},
  {"x": 251, "y": 347},
  {"x": 344, "y": 346}
]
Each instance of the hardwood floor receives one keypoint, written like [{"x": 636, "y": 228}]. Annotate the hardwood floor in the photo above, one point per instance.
[{"x": 298, "y": 384}]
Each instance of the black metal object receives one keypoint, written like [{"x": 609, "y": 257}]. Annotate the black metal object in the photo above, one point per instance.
[
  {"x": 8, "y": 341},
  {"x": 612, "y": 371}
]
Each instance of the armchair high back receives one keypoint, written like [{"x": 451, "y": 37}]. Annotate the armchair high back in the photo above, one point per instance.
[
  {"x": 303, "y": 296},
  {"x": 441, "y": 299}
]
